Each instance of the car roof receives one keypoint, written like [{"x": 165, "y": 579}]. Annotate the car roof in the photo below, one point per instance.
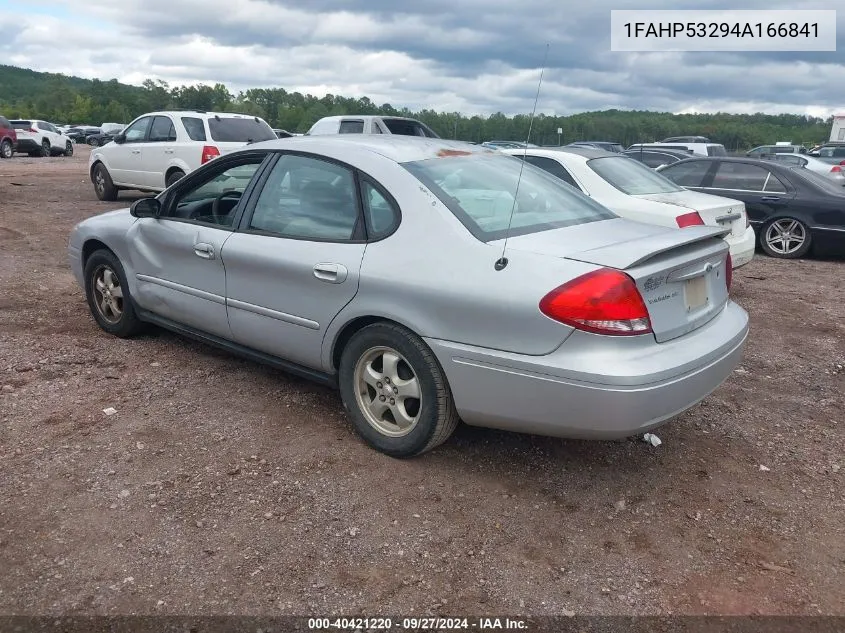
[
  {"x": 337, "y": 117},
  {"x": 585, "y": 152},
  {"x": 201, "y": 113},
  {"x": 396, "y": 147}
]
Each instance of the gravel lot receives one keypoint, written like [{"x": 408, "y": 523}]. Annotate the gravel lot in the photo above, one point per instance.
[{"x": 221, "y": 486}]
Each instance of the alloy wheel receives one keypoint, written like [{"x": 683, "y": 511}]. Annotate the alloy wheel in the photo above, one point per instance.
[
  {"x": 387, "y": 391},
  {"x": 108, "y": 294},
  {"x": 785, "y": 236}
]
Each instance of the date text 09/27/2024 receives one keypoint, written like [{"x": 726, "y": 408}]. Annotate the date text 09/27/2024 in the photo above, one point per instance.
[{"x": 721, "y": 29}]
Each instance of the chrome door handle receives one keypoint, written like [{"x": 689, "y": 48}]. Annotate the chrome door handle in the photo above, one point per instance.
[
  {"x": 331, "y": 273},
  {"x": 206, "y": 251},
  {"x": 168, "y": 151},
  {"x": 770, "y": 198},
  {"x": 136, "y": 151}
]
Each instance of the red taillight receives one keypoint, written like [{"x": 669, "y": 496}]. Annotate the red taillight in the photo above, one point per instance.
[
  {"x": 209, "y": 152},
  {"x": 604, "y": 301},
  {"x": 836, "y": 169},
  {"x": 729, "y": 271},
  {"x": 842, "y": 162},
  {"x": 689, "y": 219},
  {"x": 33, "y": 130}
]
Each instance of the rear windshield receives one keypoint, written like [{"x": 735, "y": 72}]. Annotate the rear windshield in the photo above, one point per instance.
[
  {"x": 716, "y": 150},
  {"x": 479, "y": 190},
  {"x": 408, "y": 128},
  {"x": 21, "y": 125},
  {"x": 821, "y": 182},
  {"x": 631, "y": 177},
  {"x": 231, "y": 130}
]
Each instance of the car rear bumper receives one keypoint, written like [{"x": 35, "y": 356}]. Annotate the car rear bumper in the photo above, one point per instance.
[
  {"x": 742, "y": 248},
  {"x": 593, "y": 387},
  {"x": 27, "y": 145}
]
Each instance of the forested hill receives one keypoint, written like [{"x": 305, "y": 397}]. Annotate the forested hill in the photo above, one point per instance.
[{"x": 62, "y": 99}]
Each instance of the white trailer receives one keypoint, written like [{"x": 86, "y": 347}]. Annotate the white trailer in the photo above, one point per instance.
[{"x": 837, "y": 132}]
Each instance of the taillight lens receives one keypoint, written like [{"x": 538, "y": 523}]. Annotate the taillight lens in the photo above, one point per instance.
[
  {"x": 836, "y": 169},
  {"x": 729, "y": 271},
  {"x": 33, "y": 130},
  {"x": 689, "y": 219},
  {"x": 209, "y": 152},
  {"x": 604, "y": 301}
]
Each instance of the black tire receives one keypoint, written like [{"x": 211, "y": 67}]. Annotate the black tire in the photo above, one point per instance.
[
  {"x": 46, "y": 150},
  {"x": 103, "y": 185},
  {"x": 6, "y": 149},
  {"x": 172, "y": 177},
  {"x": 93, "y": 142},
  {"x": 436, "y": 416},
  {"x": 68, "y": 149},
  {"x": 127, "y": 323},
  {"x": 781, "y": 250}
]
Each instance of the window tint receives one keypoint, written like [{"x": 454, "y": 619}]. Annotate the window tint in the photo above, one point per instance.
[
  {"x": 194, "y": 127},
  {"x": 225, "y": 186},
  {"x": 381, "y": 215},
  {"x": 351, "y": 127},
  {"x": 689, "y": 174},
  {"x": 653, "y": 159},
  {"x": 162, "y": 129},
  {"x": 631, "y": 177},
  {"x": 236, "y": 130},
  {"x": 408, "y": 128},
  {"x": 136, "y": 132},
  {"x": 741, "y": 176},
  {"x": 307, "y": 198},
  {"x": 716, "y": 150},
  {"x": 553, "y": 167},
  {"x": 4, "y": 123},
  {"x": 479, "y": 190},
  {"x": 21, "y": 125},
  {"x": 376, "y": 128},
  {"x": 774, "y": 184}
]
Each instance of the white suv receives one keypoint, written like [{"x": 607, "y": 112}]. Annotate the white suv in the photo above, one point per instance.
[
  {"x": 159, "y": 148},
  {"x": 40, "y": 138}
]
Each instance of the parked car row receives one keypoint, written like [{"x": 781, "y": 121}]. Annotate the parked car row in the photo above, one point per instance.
[{"x": 430, "y": 281}]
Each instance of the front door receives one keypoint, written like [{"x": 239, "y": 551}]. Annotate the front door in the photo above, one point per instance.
[
  {"x": 125, "y": 160},
  {"x": 177, "y": 257},
  {"x": 295, "y": 261}
]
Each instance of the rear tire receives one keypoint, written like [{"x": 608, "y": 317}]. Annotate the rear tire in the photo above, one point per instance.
[
  {"x": 103, "y": 185},
  {"x": 68, "y": 149},
  {"x": 395, "y": 391},
  {"x": 6, "y": 149},
  {"x": 172, "y": 177},
  {"x": 786, "y": 238},
  {"x": 108, "y": 295}
]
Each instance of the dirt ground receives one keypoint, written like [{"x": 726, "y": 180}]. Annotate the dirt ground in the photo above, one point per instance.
[{"x": 224, "y": 487}]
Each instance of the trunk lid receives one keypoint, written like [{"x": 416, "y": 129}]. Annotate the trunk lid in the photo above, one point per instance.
[
  {"x": 714, "y": 210},
  {"x": 680, "y": 273}
]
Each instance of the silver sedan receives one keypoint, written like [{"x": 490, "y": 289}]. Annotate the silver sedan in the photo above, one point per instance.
[{"x": 430, "y": 281}]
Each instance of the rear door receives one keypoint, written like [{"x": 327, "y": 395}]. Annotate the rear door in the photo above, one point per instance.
[
  {"x": 295, "y": 261},
  {"x": 159, "y": 151},
  {"x": 763, "y": 193}
]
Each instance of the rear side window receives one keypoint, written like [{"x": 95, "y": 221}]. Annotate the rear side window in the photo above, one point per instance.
[
  {"x": 381, "y": 213},
  {"x": 741, "y": 176},
  {"x": 479, "y": 190},
  {"x": 553, "y": 167},
  {"x": 162, "y": 130},
  {"x": 236, "y": 130},
  {"x": 716, "y": 150},
  {"x": 194, "y": 127},
  {"x": 351, "y": 127},
  {"x": 687, "y": 174}
]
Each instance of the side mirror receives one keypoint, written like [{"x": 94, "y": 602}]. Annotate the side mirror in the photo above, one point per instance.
[
  {"x": 120, "y": 138},
  {"x": 146, "y": 208}
]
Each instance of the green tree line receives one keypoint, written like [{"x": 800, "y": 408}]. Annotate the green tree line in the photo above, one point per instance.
[{"x": 72, "y": 100}]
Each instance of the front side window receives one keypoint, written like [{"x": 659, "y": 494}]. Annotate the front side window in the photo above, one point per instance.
[
  {"x": 631, "y": 177},
  {"x": 351, "y": 127},
  {"x": 307, "y": 198},
  {"x": 137, "y": 132},
  {"x": 215, "y": 199},
  {"x": 481, "y": 190}
]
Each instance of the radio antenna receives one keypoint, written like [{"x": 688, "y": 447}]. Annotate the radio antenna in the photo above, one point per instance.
[{"x": 503, "y": 261}]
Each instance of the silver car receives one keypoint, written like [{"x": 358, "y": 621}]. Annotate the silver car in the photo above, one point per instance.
[{"x": 429, "y": 282}]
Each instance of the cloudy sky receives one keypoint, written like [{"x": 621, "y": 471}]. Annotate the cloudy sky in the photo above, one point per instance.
[{"x": 472, "y": 56}]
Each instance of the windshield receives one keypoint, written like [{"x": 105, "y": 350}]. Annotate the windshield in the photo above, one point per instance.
[
  {"x": 479, "y": 190},
  {"x": 232, "y": 130},
  {"x": 631, "y": 176}
]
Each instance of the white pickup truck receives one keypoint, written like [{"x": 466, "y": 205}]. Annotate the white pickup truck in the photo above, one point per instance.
[{"x": 368, "y": 124}]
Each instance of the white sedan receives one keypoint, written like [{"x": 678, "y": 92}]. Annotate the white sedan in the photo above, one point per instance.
[{"x": 636, "y": 192}]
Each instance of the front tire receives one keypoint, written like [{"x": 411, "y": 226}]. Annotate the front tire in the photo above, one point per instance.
[
  {"x": 108, "y": 295},
  {"x": 6, "y": 149},
  {"x": 395, "y": 391},
  {"x": 786, "y": 238},
  {"x": 68, "y": 149},
  {"x": 103, "y": 185},
  {"x": 45, "y": 149}
]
